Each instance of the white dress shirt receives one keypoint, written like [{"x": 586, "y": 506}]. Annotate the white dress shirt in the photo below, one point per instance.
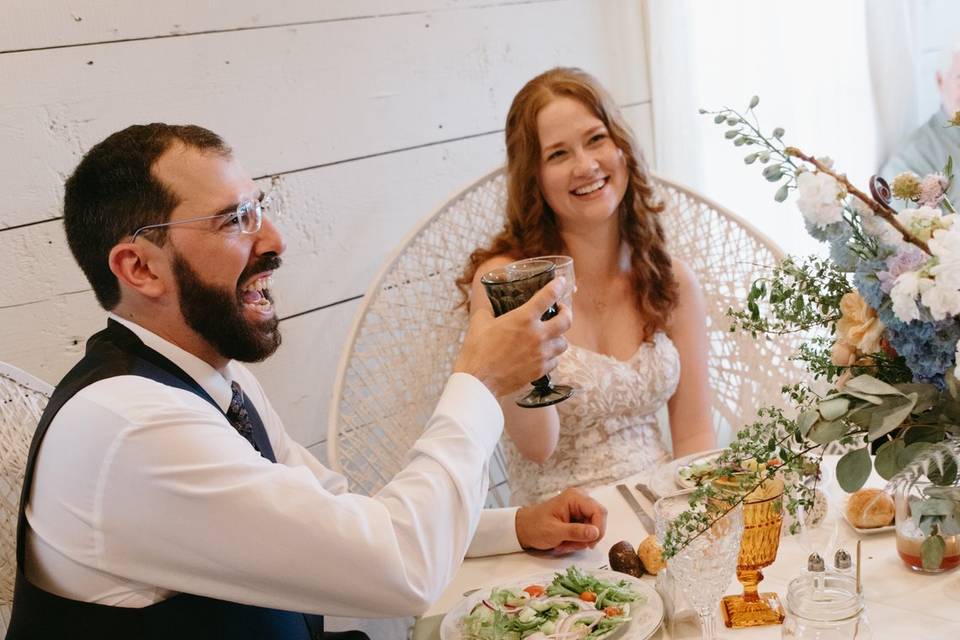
[{"x": 144, "y": 490}]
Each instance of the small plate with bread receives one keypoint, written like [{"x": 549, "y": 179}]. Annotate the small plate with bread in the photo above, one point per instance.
[{"x": 869, "y": 511}]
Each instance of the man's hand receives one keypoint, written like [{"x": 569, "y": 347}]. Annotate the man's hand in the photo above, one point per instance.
[
  {"x": 568, "y": 522},
  {"x": 508, "y": 352}
]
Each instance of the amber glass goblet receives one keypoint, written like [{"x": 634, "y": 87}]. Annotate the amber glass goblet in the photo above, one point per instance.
[
  {"x": 510, "y": 286},
  {"x": 762, "y": 519}
]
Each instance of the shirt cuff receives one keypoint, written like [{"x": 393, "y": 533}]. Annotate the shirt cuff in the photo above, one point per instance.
[
  {"x": 496, "y": 533},
  {"x": 474, "y": 407}
]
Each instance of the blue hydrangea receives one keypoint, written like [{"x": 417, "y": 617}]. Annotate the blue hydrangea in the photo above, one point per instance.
[
  {"x": 828, "y": 233},
  {"x": 867, "y": 283},
  {"x": 929, "y": 348},
  {"x": 843, "y": 258}
]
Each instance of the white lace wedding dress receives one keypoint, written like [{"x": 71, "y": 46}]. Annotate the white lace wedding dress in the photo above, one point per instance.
[{"x": 608, "y": 429}]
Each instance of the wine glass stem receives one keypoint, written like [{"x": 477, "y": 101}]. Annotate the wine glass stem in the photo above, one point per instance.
[
  {"x": 708, "y": 624},
  {"x": 542, "y": 383}
]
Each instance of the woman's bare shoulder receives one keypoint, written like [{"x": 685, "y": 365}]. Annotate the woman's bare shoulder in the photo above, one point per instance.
[{"x": 686, "y": 277}]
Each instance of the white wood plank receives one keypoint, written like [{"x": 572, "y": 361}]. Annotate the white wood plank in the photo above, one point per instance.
[
  {"x": 345, "y": 221},
  {"x": 340, "y": 222},
  {"x": 325, "y": 92},
  {"x": 29, "y": 24},
  {"x": 299, "y": 378},
  {"x": 47, "y": 338}
]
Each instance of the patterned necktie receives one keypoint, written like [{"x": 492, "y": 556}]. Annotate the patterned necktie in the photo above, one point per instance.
[{"x": 238, "y": 416}]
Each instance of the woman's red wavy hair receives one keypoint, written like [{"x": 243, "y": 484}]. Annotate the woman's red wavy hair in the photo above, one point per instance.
[{"x": 531, "y": 227}]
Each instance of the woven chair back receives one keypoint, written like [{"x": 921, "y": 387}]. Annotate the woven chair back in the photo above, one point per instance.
[
  {"x": 22, "y": 399},
  {"x": 409, "y": 329}
]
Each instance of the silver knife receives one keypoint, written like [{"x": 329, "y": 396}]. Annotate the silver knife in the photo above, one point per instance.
[
  {"x": 647, "y": 493},
  {"x": 638, "y": 511}
]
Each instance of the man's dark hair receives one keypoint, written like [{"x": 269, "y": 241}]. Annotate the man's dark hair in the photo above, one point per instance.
[{"x": 112, "y": 193}]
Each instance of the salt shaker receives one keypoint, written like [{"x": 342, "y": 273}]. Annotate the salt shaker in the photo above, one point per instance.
[
  {"x": 815, "y": 563},
  {"x": 842, "y": 561}
]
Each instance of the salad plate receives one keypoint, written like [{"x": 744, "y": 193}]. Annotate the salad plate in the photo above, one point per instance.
[
  {"x": 687, "y": 469},
  {"x": 640, "y": 618}
]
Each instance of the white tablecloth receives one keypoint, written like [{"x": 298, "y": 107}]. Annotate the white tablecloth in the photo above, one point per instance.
[{"x": 901, "y": 604}]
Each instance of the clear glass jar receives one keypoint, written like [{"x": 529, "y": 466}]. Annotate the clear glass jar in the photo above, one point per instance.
[
  {"x": 825, "y": 606},
  {"x": 910, "y": 538}
]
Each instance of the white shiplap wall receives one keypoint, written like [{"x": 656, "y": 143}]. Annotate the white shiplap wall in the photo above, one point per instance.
[{"x": 371, "y": 111}]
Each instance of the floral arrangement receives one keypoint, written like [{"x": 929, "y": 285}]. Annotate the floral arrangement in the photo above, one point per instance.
[{"x": 881, "y": 321}]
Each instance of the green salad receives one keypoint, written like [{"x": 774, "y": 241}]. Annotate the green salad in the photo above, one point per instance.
[{"x": 574, "y": 606}]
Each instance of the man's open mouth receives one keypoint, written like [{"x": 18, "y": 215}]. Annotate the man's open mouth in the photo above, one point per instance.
[{"x": 256, "y": 295}]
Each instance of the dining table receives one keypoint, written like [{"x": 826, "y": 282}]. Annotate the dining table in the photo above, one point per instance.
[{"x": 900, "y": 603}]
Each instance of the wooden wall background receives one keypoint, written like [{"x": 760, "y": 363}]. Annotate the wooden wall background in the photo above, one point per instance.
[{"x": 372, "y": 112}]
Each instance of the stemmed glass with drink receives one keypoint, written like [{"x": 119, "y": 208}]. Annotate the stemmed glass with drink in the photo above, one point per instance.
[{"x": 509, "y": 287}]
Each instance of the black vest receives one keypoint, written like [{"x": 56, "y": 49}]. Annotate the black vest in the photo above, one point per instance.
[{"x": 38, "y": 614}]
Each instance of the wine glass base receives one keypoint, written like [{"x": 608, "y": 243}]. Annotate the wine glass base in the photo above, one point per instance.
[
  {"x": 546, "y": 396},
  {"x": 738, "y": 612}
]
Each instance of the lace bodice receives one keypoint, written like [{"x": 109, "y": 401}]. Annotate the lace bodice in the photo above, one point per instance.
[{"x": 608, "y": 429}]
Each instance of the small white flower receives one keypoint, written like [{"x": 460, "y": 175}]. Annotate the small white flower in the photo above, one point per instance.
[
  {"x": 821, "y": 198},
  {"x": 904, "y": 294}
]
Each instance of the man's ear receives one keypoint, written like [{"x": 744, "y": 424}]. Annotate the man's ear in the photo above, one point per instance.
[
  {"x": 139, "y": 267},
  {"x": 939, "y": 78}
]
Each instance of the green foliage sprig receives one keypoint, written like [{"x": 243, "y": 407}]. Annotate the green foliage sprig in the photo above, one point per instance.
[
  {"x": 798, "y": 296},
  {"x": 913, "y": 428},
  {"x": 745, "y": 130}
]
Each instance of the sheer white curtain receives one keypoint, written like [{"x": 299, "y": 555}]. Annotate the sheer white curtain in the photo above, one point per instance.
[{"x": 838, "y": 76}]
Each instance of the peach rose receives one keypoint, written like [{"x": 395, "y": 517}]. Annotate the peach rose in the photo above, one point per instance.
[
  {"x": 859, "y": 327},
  {"x": 842, "y": 354}
]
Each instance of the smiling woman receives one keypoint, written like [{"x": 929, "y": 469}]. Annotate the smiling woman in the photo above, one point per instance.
[{"x": 578, "y": 185}]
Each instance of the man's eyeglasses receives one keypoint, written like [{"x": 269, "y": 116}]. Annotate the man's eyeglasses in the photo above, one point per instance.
[{"x": 247, "y": 218}]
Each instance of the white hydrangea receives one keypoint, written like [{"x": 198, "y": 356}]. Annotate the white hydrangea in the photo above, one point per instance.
[
  {"x": 945, "y": 246},
  {"x": 904, "y": 294},
  {"x": 942, "y": 299},
  {"x": 821, "y": 198}
]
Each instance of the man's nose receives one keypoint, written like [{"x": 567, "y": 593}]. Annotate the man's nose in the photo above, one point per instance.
[{"x": 269, "y": 238}]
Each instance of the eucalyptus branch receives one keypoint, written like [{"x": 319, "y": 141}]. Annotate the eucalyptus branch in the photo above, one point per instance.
[{"x": 875, "y": 206}]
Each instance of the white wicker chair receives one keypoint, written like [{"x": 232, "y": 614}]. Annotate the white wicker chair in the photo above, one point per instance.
[
  {"x": 408, "y": 331},
  {"x": 22, "y": 399}
]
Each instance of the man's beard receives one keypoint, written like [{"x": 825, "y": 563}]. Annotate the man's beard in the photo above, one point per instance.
[{"x": 217, "y": 314}]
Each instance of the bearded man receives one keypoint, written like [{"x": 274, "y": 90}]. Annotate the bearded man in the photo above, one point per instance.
[{"x": 163, "y": 497}]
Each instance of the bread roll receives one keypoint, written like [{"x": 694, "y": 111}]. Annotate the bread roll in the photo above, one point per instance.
[
  {"x": 870, "y": 508},
  {"x": 651, "y": 555}
]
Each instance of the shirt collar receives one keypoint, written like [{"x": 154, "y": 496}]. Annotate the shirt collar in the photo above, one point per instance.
[{"x": 215, "y": 382}]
